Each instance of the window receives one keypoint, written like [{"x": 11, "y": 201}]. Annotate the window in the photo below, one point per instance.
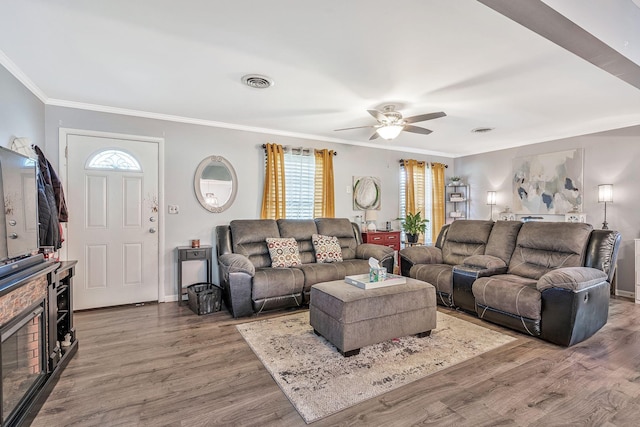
[
  {"x": 299, "y": 172},
  {"x": 427, "y": 208},
  {"x": 113, "y": 160}
]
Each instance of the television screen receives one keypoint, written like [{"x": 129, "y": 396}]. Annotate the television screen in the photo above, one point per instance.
[{"x": 19, "y": 218}]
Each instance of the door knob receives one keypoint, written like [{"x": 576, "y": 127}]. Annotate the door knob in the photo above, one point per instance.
[{"x": 152, "y": 230}]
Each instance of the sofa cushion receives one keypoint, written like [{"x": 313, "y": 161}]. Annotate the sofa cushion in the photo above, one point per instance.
[
  {"x": 502, "y": 240},
  {"x": 465, "y": 238},
  {"x": 327, "y": 248},
  {"x": 439, "y": 275},
  {"x": 249, "y": 239},
  {"x": 301, "y": 230},
  {"x": 343, "y": 230},
  {"x": 283, "y": 252},
  {"x": 512, "y": 294},
  {"x": 275, "y": 282},
  {"x": 544, "y": 246}
]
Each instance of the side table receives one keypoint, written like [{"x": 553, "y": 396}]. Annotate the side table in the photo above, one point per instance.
[
  {"x": 385, "y": 238},
  {"x": 187, "y": 253}
]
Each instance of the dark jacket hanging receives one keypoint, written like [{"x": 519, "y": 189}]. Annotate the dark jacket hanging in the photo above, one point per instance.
[
  {"x": 50, "y": 177},
  {"x": 51, "y": 203}
]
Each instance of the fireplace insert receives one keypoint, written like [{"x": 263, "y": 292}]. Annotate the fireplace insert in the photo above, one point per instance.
[{"x": 22, "y": 362}]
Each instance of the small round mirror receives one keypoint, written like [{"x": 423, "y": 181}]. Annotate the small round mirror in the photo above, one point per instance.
[{"x": 215, "y": 184}]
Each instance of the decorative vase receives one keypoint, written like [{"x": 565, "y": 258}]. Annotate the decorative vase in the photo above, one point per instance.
[{"x": 412, "y": 238}]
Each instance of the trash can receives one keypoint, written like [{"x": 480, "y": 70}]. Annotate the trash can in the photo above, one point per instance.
[{"x": 204, "y": 298}]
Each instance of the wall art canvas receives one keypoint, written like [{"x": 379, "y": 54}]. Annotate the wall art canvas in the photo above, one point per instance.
[
  {"x": 366, "y": 193},
  {"x": 548, "y": 183}
]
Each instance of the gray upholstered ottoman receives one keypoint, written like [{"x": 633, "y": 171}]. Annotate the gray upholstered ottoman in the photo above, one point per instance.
[{"x": 351, "y": 318}]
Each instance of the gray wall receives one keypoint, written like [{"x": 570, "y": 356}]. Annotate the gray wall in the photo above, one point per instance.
[
  {"x": 187, "y": 144},
  {"x": 609, "y": 158},
  {"x": 21, "y": 112}
]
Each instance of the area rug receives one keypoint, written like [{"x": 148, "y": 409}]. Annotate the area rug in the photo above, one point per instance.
[{"x": 319, "y": 381}]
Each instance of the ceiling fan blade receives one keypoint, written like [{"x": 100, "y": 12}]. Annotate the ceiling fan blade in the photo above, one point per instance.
[
  {"x": 377, "y": 115},
  {"x": 357, "y": 127},
  {"x": 416, "y": 129},
  {"x": 374, "y": 136},
  {"x": 423, "y": 117}
]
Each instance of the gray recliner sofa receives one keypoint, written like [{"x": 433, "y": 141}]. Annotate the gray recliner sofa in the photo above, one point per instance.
[
  {"x": 251, "y": 285},
  {"x": 547, "y": 279}
]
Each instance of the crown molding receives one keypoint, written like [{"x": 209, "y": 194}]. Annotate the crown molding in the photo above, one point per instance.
[
  {"x": 22, "y": 77},
  {"x": 211, "y": 123}
]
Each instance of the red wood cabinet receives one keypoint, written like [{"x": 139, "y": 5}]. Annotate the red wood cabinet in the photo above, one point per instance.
[{"x": 386, "y": 238}]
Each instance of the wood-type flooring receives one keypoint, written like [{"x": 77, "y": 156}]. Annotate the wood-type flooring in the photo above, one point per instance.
[{"x": 162, "y": 365}]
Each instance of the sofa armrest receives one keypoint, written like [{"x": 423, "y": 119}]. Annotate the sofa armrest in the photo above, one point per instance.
[
  {"x": 383, "y": 254},
  {"x": 236, "y": 263},
  {"x": 408, "y": 257},
  {"x": 236, "y": 278},
  {"x": 571, "y": 278},
  {"x": 484, "y": 262},
  {"x": 422, "y": 255}
]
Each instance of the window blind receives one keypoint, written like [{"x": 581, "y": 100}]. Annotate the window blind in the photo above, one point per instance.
[{"x": 299, "y": 171}]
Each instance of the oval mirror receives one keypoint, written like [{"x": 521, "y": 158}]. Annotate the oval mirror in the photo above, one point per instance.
[{"x": 215, "y": 184}]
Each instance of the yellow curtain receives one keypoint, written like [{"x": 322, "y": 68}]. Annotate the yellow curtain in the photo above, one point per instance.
[
  {"x": 409, "y": 192},
  {"x": 324, "y": 198},
  {"x": 415, "y": 188},
  {"x": 437, "y": 192},
  {"x": 273, "y": 195}
]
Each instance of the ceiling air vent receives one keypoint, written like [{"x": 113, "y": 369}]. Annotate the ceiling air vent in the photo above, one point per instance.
[
  {"x": 481, "y": 130},
  {"x": 257, "y": 81}
]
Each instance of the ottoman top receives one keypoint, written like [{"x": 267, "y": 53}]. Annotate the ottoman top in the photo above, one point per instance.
[{"x": 348, "y": 303}]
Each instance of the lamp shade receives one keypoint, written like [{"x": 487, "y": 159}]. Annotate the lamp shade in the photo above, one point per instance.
[
  {"x": 371, "y": 215},
  {"x": 605, "y": 193},
  {"x": 389, "y": 131},
  {"x": 491, "y": 197}
]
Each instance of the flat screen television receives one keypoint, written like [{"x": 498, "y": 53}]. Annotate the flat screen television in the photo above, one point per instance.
[{"x": 19, "y": 218}]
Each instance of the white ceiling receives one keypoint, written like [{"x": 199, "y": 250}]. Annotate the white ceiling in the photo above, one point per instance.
[{"x": 331, "y": 61}]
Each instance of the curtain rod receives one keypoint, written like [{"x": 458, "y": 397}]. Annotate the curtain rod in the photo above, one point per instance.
[
  {"x": 402, "y": 161},
  {"x": 335, "y": 153}
]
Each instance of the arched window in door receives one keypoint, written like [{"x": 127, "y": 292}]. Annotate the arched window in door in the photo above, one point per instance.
[{"x": 112, "y": 159}]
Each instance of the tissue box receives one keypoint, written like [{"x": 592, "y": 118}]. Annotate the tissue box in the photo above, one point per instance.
[{"x": 377, "y": 274}]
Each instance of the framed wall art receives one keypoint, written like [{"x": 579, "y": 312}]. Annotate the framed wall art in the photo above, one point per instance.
[
  {"x": 548, "y": 183},
  {"x": 366, "y": 193}
]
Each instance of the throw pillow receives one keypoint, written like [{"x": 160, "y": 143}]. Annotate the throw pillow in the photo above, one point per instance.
[
  {"x": 283, "y": 251},
  {"x": 327, "y": 248}
]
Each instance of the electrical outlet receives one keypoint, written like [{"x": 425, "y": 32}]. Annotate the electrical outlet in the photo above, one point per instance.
[
  {"x": 174, "y": 209},
  {"x": 348, "y": 189}
]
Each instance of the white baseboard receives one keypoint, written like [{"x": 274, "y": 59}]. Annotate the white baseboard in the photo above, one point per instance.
[{"x": 626, "y": 294}]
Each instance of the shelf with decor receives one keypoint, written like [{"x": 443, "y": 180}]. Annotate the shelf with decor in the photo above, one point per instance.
[{"x": 456, "y": 196}]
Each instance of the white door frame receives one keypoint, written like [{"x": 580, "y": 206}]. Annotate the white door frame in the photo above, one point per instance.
[{"x": 62, "y": 156}]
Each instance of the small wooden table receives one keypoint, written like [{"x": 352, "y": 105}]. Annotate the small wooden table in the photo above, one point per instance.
[
  {"x": 187, "y": 253},
  {"x": 385, "y": 238}
]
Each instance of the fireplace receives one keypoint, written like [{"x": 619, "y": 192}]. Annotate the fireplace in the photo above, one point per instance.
[{"x": 22, "y": 361}]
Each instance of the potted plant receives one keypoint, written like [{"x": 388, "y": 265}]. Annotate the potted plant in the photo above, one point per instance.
[
  {"x": 413, "y": 225},
  {"x": 455, "y": 180}
]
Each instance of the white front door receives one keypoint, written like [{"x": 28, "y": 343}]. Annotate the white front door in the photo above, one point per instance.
[{"x": 112, "y": 195}]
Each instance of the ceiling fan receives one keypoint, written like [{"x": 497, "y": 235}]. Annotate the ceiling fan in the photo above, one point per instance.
[{"x": 391, "y": 123}]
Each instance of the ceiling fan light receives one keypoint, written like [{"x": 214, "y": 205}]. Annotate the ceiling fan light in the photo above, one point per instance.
[{"x": 389, "y": 132}]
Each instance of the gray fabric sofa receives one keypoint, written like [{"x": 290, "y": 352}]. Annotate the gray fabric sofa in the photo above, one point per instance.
[
  {"x": 250, "y": 285},
  {"x": 547, "y": 279}
]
